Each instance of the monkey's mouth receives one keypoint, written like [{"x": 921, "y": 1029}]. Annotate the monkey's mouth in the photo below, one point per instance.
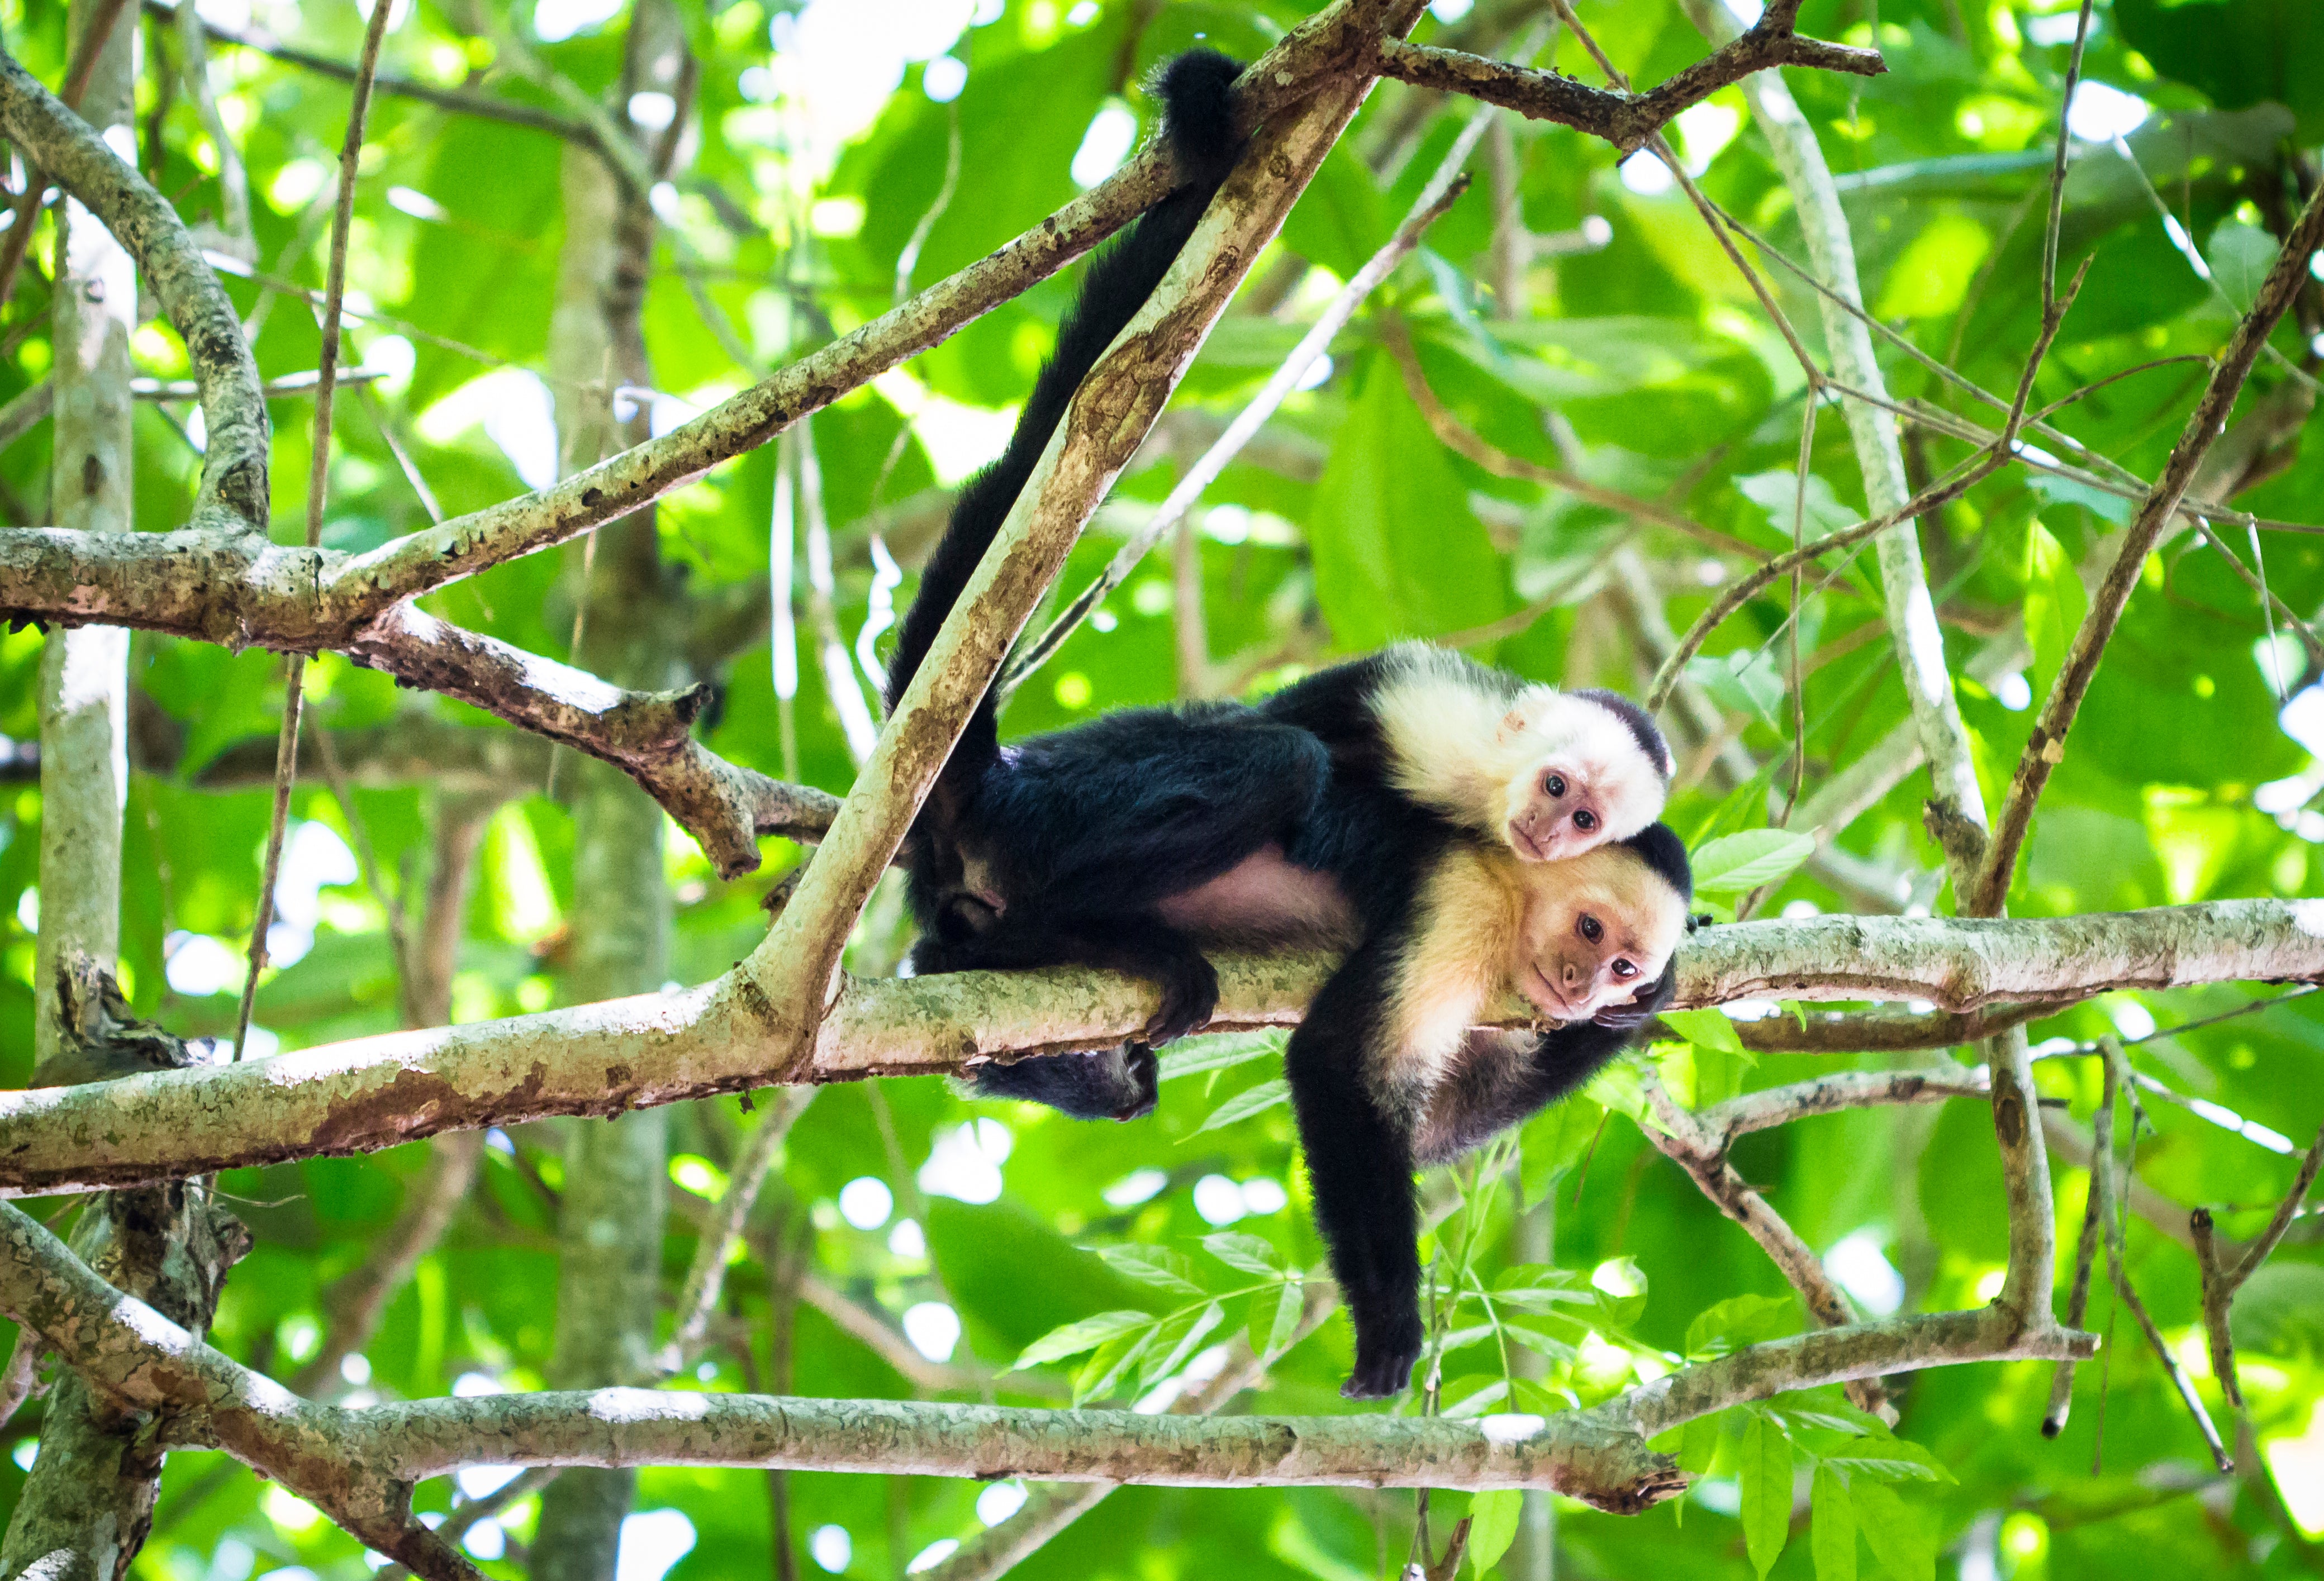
[
  {"x": 1545, "y": 995},
  {"x": 1526, "y": 847}
]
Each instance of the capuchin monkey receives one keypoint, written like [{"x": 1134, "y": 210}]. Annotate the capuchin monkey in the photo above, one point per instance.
[
  {"x": 1460, "y": 832},
  {"x": 1551, "y": 774}
]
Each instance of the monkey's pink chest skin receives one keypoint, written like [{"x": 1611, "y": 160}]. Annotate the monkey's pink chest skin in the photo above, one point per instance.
[{"x": 1264, "y": 898}]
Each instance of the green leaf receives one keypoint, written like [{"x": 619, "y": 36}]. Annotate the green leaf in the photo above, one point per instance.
[
  {"x": 1246, "y": 1252},
  {"x": 1193, "y": 1055},
  {"x": 1737, "y": 862},
  {"x": 1705, "y": 1029},
  {"x": 1397, "y": 551},
  {"x": 1831, "y": 1529},
  {"x": 1156, "y": 1265},
  {"x": 1081, "y": 1335},
  {"x": 1493, "y": 1517},
  {"x": 1478, "y": 1403},
  {"x": 1249, "y": 1101},
  {"x": 1767, "y": 1485},
  {"x": 1176, "y": 1339},
  {"x": 1274, "y": 1319},
  {"x": 1745, "y": 680},
  {"x": 1895, "y": 1532},
  {"x": 2055, "y": 603},
  {"x": 1103, "y": 1373},
  {"x": 1896, "y": 1460},
  {"x": 1740, "y": 1321}
]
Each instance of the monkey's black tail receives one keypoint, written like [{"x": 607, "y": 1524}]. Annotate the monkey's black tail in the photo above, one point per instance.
[{"x": 1195, "y": 92}]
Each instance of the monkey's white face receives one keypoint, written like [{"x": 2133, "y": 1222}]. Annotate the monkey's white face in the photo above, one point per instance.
[
  {"x": 1597, "y": 929},
  {"x": 1583, "y": 779}
]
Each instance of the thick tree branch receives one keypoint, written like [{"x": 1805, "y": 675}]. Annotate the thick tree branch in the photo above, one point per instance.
[
  {"x": 660, "y": 1048},
  {"x": 789, "y": 982},
  {"x": 233, "y": 496},
  {"x": 344, "y": 1460},
  {"x": 2045, "y": 749},
  {"x": 1625, "y": 120}
]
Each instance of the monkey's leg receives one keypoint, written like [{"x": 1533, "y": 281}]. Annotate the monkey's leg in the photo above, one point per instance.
[{"x": 1359, "y": 1165}]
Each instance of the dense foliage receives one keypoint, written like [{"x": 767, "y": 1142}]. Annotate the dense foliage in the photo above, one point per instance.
[{"x": 1624, "y": 346}]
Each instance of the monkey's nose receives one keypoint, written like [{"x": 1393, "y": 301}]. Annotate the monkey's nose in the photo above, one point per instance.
[{"x": 1573, "y": 974}]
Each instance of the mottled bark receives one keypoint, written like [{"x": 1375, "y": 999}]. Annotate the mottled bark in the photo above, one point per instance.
[{"x": 660, "y": 1047}]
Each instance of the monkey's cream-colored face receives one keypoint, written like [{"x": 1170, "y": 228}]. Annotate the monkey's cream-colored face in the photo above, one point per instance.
[
  {"x": 1597, "y": 929},
  {"x": 1582, "y": 779}
]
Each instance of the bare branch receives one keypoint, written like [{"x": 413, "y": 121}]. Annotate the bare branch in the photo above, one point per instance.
[
  {"x": 358, "y": 1466},
  {"x": 698, "y": 1300},
  {"x": 2117, "y": 1266},
  {"x": 2097, "y": 1216},
  {"x": 2224, "y": 1271},
  {"x": 1625, "y": 120},
  {"x": 2045, "y": 749},
  {"x": 659, "y": 1048}
]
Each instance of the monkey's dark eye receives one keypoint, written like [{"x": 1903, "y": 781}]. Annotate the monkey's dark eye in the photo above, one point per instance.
[
  {"x": 1554, "y": 784},
  {"x": 1626, "y": 969},
  {"x": 1592, "y": 928},
  {"x": 1585, "y": 820}
]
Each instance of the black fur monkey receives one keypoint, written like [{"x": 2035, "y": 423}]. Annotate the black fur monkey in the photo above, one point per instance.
[{"x": 1320, "y": 818}]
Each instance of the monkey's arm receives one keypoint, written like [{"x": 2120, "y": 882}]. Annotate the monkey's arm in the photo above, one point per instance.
[{"x": 1359, "y": 1165}]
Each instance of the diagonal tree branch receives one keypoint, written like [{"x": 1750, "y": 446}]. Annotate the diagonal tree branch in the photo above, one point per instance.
[
  {"x": 660, "y": 1048},
  {"x": 2045, "y": 749},
  {"x": 1700, "y": 1150},
  {"x": 232, "y": 497}
]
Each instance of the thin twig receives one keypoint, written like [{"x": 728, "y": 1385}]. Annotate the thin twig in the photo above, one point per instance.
[
  {"x": 2096, "y": 1215},
  {"x": 697, "y": 1300},
  {"x": 1741, "y": 591},
  {"x": 326, "y": 367},
  {"x": 2117, "y": 1268}
]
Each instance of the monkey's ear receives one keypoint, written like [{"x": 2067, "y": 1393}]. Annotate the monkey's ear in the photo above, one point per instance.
[{"x": 1513, "y": 724}]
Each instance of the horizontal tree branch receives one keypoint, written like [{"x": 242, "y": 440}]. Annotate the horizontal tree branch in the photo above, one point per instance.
[
  {"x": 359, "y": 1465},
  {"x": 660, "y": 1048},
  {"x": 1628, "y": 121}
]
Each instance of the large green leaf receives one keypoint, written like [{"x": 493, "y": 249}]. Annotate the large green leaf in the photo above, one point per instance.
[{"x": 1397, "y": 553}]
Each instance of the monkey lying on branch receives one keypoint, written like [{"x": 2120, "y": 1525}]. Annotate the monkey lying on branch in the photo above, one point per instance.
[{"x": 1458, "y": 831}]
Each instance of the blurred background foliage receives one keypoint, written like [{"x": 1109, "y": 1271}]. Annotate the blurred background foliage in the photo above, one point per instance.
[{"x": 1574, "y": 314}]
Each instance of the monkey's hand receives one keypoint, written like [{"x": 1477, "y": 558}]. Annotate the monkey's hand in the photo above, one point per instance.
[
  {"x": 1190, "y": 992},
  {"x": 1643, "y": 1005},
  {"x": 1384, "y": 1358}
]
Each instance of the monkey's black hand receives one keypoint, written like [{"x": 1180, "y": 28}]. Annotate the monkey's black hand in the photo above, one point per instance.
[
  {"x": 1142, "y": 1076},
  {"x": 1189, "y": 994},
  {"x": 1384, "y": 1358},
  {"x": 1643, "y": 1005}
]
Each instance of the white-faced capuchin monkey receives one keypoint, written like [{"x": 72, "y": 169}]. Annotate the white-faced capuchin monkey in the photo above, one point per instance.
[
  {"x": 1406, "y": 805},
  {"x": 1551, "y": 774}
]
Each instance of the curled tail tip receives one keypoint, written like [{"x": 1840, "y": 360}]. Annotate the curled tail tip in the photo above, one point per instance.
[{"x": 1197, "y": 93}]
